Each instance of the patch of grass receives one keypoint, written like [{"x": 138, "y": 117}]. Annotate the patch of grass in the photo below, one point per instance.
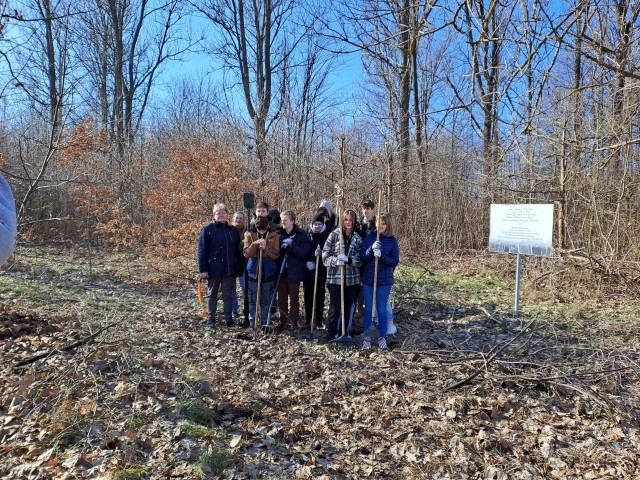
[
  {"x": 72, "y": 290},
  {"x": 34, "y": 291},
  {"x": 575, "y": 310},
  {"x": 134, "y": 422},
  {"x": 196, "y": 431},
  {"x": 212, "y": 462},
  {"x": 457, "y": 282},
  {"x": 197, "y": 412},
  {"x": 130, "y": 473},
  {"x": 442, "y": 285}
]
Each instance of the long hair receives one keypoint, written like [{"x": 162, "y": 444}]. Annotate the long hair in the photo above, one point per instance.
[
  {"x": 354, "y": 218},
  {"x": 387, "y": 219}
]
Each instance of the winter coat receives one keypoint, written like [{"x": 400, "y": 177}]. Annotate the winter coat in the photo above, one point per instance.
[
  {"x": 317, "y": 240},
  {"x": 386, "y": 263},
  {"x": 218, "y": 252},
  {"x": 364, "y": 228},
  {"x": 296, "y": 254},
  {"x": 269, "y": 255},
  {"x": 330, "y": 253}
]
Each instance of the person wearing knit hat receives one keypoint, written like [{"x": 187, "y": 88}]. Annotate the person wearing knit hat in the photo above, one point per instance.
[
  {"x": 330, "y": 218},
  {"x": 317, "y": 233},
  {"x": 8, "y": 228},
  {"x": 274, "y": 217}
]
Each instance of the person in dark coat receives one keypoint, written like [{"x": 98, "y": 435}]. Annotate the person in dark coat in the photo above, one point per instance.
[
  {"x": 317, "y": 233},
  {"x": 220, "y": 261},
  {"x": 367, "y": 223},
  {"x": 295, "y": 249},
  {"x": 387, "y": 252}
]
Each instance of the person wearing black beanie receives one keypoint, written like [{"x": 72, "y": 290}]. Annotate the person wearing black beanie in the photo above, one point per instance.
[{"x": 317, "y": 233}]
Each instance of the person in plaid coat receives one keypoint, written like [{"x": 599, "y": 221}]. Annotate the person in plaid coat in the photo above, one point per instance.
[{"x": 335, "y": 261}]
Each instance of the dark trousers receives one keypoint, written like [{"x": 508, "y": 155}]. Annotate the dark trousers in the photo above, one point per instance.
[
  {"x": 309, "y": 281},
  {"x": 289, "y": 300},
  {"x": 225, "y": 285},
  {"x": 334, "y": 322}
]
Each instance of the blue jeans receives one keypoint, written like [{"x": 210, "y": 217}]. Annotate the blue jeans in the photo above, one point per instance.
[
  {"x": 235, "y": 295},
  {"x": 382, "y": 310}
]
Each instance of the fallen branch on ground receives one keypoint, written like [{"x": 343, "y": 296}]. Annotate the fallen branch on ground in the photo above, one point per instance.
[
  {"x": 90, "y": 338},
  {"x": 463, "y": 382}
]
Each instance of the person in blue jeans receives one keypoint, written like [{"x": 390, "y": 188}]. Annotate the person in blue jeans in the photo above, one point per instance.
[
  {"x": 8, "y": 231},
  {"x": 387, "y": 251}
]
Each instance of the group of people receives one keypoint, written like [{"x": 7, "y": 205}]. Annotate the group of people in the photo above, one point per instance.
[{"x": 273, "y": 256}]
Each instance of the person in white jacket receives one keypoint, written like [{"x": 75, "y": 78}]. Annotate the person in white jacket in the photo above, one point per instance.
[{"x": 8, "y": 227}]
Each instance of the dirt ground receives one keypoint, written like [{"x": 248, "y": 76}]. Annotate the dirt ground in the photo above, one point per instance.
[{"x": 114, "y": 375}]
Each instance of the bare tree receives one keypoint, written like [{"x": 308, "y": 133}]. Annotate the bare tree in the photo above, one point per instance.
[
  {"x": 123, "y": 47},
  {"x": 255, "y": 42}
]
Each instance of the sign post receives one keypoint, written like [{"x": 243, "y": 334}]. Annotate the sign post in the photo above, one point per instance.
[{"x": 521, "y": 229}]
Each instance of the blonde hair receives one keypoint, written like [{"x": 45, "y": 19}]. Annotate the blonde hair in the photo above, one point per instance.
[
  {"x": 289, "y": 213},
  {"x": 220, "y": 206}
]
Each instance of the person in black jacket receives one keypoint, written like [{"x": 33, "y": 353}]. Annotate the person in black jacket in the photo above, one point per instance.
[
  {"x": 317, "y": 233},
  {"x": 295, "y": 249},
  {"x": 220, "y": 261}
]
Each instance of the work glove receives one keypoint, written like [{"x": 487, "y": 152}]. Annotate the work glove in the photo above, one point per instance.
[
  {"x": 318, "y": 252},
  {"x": 342, "y": 260},
  {"x": 377, "y": 245},
  {"x": 377, "y": 252},
  {"x": 286, "y": 243},
  {"x": 311, "y": 266}
]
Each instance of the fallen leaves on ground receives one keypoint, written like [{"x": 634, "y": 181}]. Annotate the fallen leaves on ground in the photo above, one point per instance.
[{"x": 161, "y": 396}]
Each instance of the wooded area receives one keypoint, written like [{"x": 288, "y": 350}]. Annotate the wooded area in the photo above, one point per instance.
[{"x": 462, "y": 104}]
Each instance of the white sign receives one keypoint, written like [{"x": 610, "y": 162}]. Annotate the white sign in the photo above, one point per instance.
[{"x": 523, "y": 229}]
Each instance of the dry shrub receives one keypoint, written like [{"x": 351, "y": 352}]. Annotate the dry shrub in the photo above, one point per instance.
[{"x": 197, "y": 176}]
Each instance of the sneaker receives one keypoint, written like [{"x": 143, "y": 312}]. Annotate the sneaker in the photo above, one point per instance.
[
  {"x": 391, "y": 328},
  {"x": 382, "y": 343},
  {"x": 246, "y": 324},
  {"x": 229, "y": 323},
  {"x": 210, "y": 323},
  {"x": 366, "y": 343}
]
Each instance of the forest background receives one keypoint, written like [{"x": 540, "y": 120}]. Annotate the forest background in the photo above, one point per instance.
[{"x": 110, "y": 137}]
